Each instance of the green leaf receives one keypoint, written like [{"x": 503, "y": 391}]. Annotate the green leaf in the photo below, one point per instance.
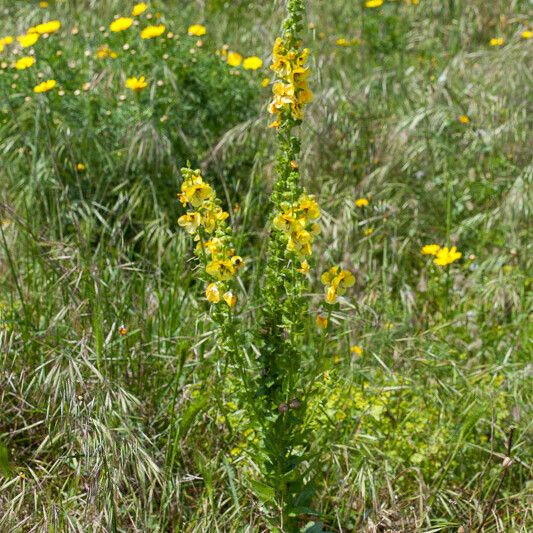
[{"x": 264, "y": 492}]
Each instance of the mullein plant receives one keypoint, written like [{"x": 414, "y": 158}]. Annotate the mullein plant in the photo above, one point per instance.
[{"x": 276, "y": 386}]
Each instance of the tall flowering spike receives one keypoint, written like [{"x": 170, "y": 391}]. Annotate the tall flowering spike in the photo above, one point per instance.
[{"x": 207, "y": 222}]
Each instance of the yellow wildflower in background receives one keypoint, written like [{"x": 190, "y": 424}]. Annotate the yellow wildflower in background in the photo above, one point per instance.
[
  {"x": 373, "y": 3},
  {"x": 430, "y": 249},
  {"x": 321, "y": 321},
  {"x": 496, "y": 41},
  {"x": 265, "y": 82},
  {"x": 342, "y": 42},
  {"x": 463, "y": 119},
  {"x": 361, "y": 202},
  {"x": 45, "y": 86},
  {"x": 527, "y": 34},
  {"x": 234, "y": 59},
  {"x": 304, "y": 267},
  {"x": 336, "y": 281},
  {"x": 136, "y": 84},
  {"x": 152, "y": 31},
  {"x": 121, "y": 24},
  {"x": 212, "y": 293},
  {"x": 24, "y": 62},
  {"x": 138, "y": 9},
  {"x": 252, "y": 63},
  {"x": 357, "y": 350},
  {"x": 446, "y": 256},
  {"x": 104, "y": 51},
  {"x": 230, "y": 298},
  {"x": 43, "y": 4},
  {"x": 48, "y": 27},
  {"x": 81, "y": 167},
  {"x": 196, "y": 30},
  {"x": 28, "y": 40}
]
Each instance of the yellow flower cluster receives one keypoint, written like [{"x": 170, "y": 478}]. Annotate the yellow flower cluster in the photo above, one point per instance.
[
  {"x": 291, "y": 91},
  {"x": 207, "y": 222},
  {"x": 443, "y": 256},
  {"x": 336, "y": 281},
  {"x": 297, "y": 222}
]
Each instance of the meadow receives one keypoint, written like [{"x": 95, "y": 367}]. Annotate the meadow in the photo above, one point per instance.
[{"x": 266, "y": 266}]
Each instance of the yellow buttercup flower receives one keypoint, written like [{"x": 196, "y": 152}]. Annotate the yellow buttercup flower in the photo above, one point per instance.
[
  {"x": 357, "y": 350},
  {"x": 136, "y": 84},
  {"x": 527, "y": 34},
  {"x": 234, "y": 59},
  {"x": 496, "y": 41},
  {"x": 121, "y": 24},
  {"x": 6, "y": 40},
  {"x": 373, "y": 3},
  {"x": 43, "y": 4},
  {"x": 104, "y": 51},
  {"x": 45, "y": 86},
  {"x": 212, "y": 293},
  {"x": 430, "y": 249},
  {"x": 28, "y": 40},
  {"x": 446, "y": 256},
  {"x": 25, "y": 62},
  {"x": 196, "y": 30},
  {"x": 463, "y": 119},
  {"x": 361, "y": 202},
  {"x": 336, "y": 281},
  {"x": 265, "y": 82},
  {"x": 81, "y": 167},
  {"x": 152, "y": 31},
  {"x": 342, "y": 42},
  {"x": 252, "y": 63},
  {"x": 138, "y": 9},
  {"x": 48, "y": 27}
]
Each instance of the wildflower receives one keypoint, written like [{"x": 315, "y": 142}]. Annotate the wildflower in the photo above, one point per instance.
[
  {"x": 463, "y": 119},
  {"x": 136, "y": 84},
  {"x": 447, "y": 256},
  {"x": 357, "y": 350},
  {"x": 234, "y": 59},
  {"x": 496, "y": 41},
  {"x": 43, "y": 4},
  {"x": 368, "y": 231},
  {"x": 122, "y": 330},
  {"x": 152, "y": 31},
  {"x": 24, "y": 62},
  {"x": 230, "y": 298},
  {"x": 336, "y": 281},
  {"x": 265, "y": 82},
  {"x": 120, "y": 24},
  {"x": 138, "y": 9},
  {"x": 190, "y": 221},
  {"x": 81, "y": 167},
  {"x": 48, "y": 27},
  {"x": 252, "y": 63},
  {"x": 221, "y": 269},
  {"x": 6, "y": 40},
  {"x": 28, "y": 40},
  {"x": 342, "y": 42},
  {"x": 373, "y": 3},
  {"x": 430, "y": 249},
  {"x": 195, "y": 191},
  {"x": 45, "y": 86},
  {"x": 361, "y": 202},
  {"x": 104, "y": 51},
  {"x": 304, "y": 267},
  {"x": 196, "y": 30},
  {"x": 212, "y": 293},
  {"x": 527, "y": 34}
]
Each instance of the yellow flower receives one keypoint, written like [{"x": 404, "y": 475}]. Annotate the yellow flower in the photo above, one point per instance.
[
  {"x": 138, "y": 9},
  {"x": 357, "y": 350},
  {"x": 336, "y": 281},
  {"x": 104, "y": 51},
  {"x": 44, "y": 86},
  {"x": 212, "y": 293},
  {"x": 230, "y": 298},
  {"x": 265, "y": 82},
  {"x": 368, "y": 231},
  {"x": 122, "y": 330},
  {"x": 373, "y": 3},
  {"x": 121, "y": 24},
  {"x": 527, "y": 34},
  {"x": 342, "y": 42},
  {"x": 252, "y": 63},
  {"x": 447, "y": 256},
  {"x": 430, "y": 249},
  {"x": 195, "y": 191},
  {"x": 496, "y": 41},
  {"x": 221, "y": 269},
  {"x": 6, "y": 40},
  {"x": 136, "y": 84},
  {"x": 321, "y": 321},
  {"x": 464, "y": 119},
  {"x": 24, "y": 62},
  {"x": 234, "y": 59},
  {"x": 43, "y": 4},
  {"x": 48, "y": 27},
  {"x": 152, "y": 31},
  {"x": 361, "y": 202},
  {"x": 196, "y": 30},
  {"x": 190, "y": 221},
  {"x": 304, "y": 267},
  {"x": 81, "y": 167},
  {"x": 28, "y": 40}
]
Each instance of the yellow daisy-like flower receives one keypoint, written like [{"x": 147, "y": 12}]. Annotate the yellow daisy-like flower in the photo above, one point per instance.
[
  {"x": 48, "y": 27},
  {"x": 336, "y": 281},
  {"x": 6, "y": 40},
  {"x": 234, "y": 59},
  {"x": 104, "y": 51},
  {"x": 464, "y": 119},
  {"x": 28, "y": 40},
  {"x": 342, "y": 42},
  {"x": 43, "y": 4},
  {"x": 304, "y": 267},
  {"x": 136, "y": 84},
  {"x": 152, "y": 31},
  {"x": 373, "y": 3},
  {"x": 45, "y": 86},
  {"x": 496, "y": 41},
  {"x": 252, "y": 63},
  {"x": 527, "y": 34},
  {"x": 81, "y": 167},
  {"x": 121, "y": 24},
  {"x": 265, "y": 82},
  {"x": 357, "y": 350},
  {"x": 430, "y": 249},
  {"x": 196, "y": 30},
  {"x": 446, "y": 256},
  {"x": 25, "y": 62},
  {"x": 212, "y": 293},
  {"x": 138, "y": 9},
  {"x": 361, "y": 202}
]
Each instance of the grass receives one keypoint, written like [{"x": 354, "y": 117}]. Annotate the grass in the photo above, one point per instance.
[{"x": 140, "y": 432}]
